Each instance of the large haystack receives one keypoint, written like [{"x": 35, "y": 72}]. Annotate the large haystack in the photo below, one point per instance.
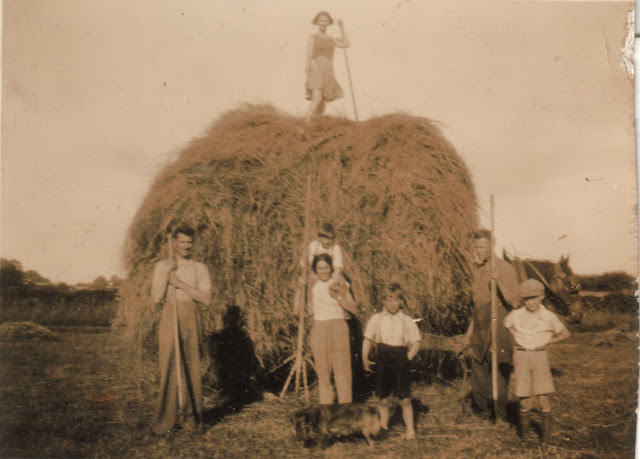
[{"x": 400, "y": 197}]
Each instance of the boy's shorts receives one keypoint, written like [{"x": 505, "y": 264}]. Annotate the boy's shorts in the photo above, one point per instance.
[
  {"x": 532, "y": 373},
  {"x": 392, "y": 371}
]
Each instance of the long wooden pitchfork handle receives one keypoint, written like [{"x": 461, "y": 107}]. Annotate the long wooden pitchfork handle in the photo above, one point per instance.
[
  {"x": 176, "y": 336},
  {"x": 494, "y": 318}
]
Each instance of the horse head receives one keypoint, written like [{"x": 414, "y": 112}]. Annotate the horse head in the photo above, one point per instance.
[
  {"x": 562, "y": 290},
  {"x": 566, "y": 286}
]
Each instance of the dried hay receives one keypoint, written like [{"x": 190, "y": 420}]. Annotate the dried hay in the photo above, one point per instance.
[
  {"x": 400, "y": 197},
  {"x": 26, "y": 331}
]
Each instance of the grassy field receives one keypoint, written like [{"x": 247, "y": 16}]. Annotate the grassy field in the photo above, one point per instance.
[
  {"x": 52, "y": 307},
  {"x": 78, "y": 397}
]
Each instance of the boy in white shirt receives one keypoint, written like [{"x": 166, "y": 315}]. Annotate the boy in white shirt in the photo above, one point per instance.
[
  {"x": 533, "y": 328},
  {"x": 326, "y": 243},
  {"x": 398, "y": 341}
]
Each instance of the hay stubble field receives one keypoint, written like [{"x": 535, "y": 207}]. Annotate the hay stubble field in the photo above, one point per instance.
[{"x": 79, "y": 397}]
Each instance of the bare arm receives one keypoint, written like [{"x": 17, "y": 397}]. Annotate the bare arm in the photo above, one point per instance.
[
  {"x": 200, "y": 296},
  {"x": 462, "y": 345},
  {"x": 562, "y": 335},
  {"x": 309, "y": 60},
  {"x": 366, "y": 348},
  {"x": 340, "y": 292},
  {"x": 413, "y": 350},
  {"x": 343, "y": 41},
  {"x": 301, "y": 297},
  {"x": 161, "y": 279},
  {"x": 346, "y": 302},
  {"x": 467, "y": 335}
]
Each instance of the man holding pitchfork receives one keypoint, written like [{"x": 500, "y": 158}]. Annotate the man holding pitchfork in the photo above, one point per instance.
[
  {"x": 178, "y": 283},
  {"x": 478, "y": 335}
]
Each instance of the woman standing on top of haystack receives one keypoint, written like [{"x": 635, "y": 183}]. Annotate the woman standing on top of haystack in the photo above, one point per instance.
[{"x": 321, "y": 83}]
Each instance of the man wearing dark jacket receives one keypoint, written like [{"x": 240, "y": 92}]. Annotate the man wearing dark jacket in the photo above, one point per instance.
[{"x": 478, "y": 335}]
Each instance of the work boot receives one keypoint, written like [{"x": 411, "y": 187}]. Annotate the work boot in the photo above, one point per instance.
[
  {"x": 546, "y": 428},
  {"x": 525, "y": 425}
]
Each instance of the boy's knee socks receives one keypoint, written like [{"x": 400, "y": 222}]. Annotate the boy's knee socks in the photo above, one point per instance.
[{"x": 525, "y": 424}]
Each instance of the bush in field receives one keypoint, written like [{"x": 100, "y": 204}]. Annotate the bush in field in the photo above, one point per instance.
[
  {"x": 607, "y": 282},
  {"x": 11, "y": 274},
  {"x": 399, "y": 195}
]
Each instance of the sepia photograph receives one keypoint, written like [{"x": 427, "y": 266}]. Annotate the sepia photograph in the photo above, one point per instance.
[{"x": 273, "y": 228}]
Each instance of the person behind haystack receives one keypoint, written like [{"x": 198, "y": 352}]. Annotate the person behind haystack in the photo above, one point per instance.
[
  {"x": 328, "y": 303},
  {"x": 321, "y": 84},
  {"x": 326, "y": 243},
  {"x": 533, "y": 328},
  {"x": 478, "y": 334},
  {"x": 397, "y": 340},
  {"x": 183, "y": 283}
]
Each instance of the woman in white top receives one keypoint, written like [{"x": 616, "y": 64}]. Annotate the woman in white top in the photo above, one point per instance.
[{"x": 328, "y": 303}]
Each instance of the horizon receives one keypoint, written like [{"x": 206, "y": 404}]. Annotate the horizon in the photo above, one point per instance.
[{"x": 98, "y": 97}]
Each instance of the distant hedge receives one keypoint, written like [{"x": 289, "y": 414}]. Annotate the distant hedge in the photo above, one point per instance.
[
  {"x": 49, "y": 305},
  {"x": 618, "y": 302},
  {"x": 608, "y": 282}
]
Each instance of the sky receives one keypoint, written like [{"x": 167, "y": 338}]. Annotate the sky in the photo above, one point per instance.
[{"x": 98, "y": 96}]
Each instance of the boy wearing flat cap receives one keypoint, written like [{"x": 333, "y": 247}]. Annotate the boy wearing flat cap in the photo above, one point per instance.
[{"x": 533, "y": 328}]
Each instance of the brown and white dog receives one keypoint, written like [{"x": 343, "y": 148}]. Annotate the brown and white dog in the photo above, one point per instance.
[{"x": 325, "y": 423}]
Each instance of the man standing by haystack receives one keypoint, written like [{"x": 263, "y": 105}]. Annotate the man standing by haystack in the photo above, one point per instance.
[
  {"x": 180, "y": 283},
  {"x": 478, "y": 335}
]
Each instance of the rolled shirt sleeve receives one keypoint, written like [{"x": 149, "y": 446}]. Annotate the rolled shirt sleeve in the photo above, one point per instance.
[
  {"x": 556, "y": 324},
  {"x": 508, "y": 321},
  {"x": 413, "y": 332}
]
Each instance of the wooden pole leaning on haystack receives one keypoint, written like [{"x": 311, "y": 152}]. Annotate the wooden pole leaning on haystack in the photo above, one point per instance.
[
  {"x": 299, "y": 367},
  {"x": 494, "y": 319},
  {"x": 353, "y": 97},
  {"x": 176, "y": 333}
]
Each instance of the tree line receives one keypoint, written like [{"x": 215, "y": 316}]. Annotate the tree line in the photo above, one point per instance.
[{"x": 14, "y": 277}]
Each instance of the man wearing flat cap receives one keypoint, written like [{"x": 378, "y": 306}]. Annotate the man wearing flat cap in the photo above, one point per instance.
[{"x": 478, "y": 335}]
